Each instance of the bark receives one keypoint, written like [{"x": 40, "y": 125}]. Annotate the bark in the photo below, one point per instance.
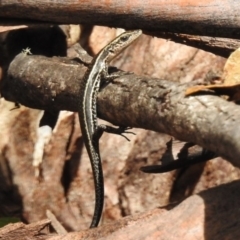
[
  {"x": 216, "y": 45},
  {"x": 24, "y": 232},
  {"x": 165, "y": 19},
  {"x": 198, "y": 217},
  {"x": 61, "y": 179},
  {"x": 206, "y": 120},
  {"x": 179, "y": 16}
]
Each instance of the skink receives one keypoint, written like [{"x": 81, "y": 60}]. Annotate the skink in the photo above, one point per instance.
[{"x": 91, "y": 132}]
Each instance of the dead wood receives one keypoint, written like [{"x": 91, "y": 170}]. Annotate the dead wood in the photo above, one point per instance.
[
  {"x": 198, "y": 217},
  {"x": 24, "y": 232},
  {"x": 206, "y": 120},
  {"x": 179, "y": 16},
  {"x": 166, "y": 19},
  {"x": 63, "y": 182},
  {"x": 216, "y": 45},
  {"x": 58, "y": 227}
]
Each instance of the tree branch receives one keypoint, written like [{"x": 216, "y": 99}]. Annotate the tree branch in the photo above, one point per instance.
[
  {"x": 201, "y": 18},
  {"x": 169, "y": 27},
  {"x": 216, "y": 45},
  {"x": 130, "y": 100}
]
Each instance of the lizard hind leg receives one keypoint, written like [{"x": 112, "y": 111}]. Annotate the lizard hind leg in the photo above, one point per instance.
[{"x": 105, "y": 128}]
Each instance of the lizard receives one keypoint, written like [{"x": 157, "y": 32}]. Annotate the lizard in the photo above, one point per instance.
[{"x": 87, "y": 111}]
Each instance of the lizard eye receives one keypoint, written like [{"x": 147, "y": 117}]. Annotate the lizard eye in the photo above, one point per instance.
[{"x": 124, "y": 38}]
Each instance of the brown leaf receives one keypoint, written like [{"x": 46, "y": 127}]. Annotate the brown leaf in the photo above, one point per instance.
[{"x": 231, "y": 80}]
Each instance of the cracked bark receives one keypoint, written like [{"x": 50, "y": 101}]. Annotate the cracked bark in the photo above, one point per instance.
[{"x": 130, "y": 100}]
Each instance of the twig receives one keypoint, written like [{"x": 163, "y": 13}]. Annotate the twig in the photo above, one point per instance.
[{"x": 55, "y": 223}]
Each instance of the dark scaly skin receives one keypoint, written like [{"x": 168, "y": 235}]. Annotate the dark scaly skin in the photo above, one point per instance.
[{"x": 87, "y": 100}]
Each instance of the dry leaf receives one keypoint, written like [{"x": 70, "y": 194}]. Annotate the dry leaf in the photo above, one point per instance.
[{"x": 231, "y": 80}]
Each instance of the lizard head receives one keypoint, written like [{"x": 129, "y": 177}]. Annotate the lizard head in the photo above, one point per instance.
[{"x": 121, "y": 42}]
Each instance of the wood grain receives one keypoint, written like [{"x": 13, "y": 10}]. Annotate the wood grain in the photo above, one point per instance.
[{"x": 210, "y": 18}]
